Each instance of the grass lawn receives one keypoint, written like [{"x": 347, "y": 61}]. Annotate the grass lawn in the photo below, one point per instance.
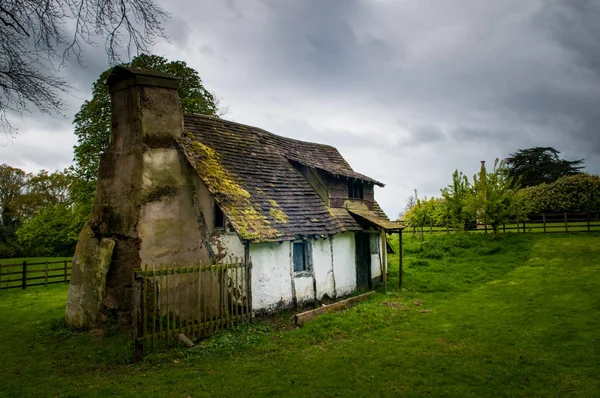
[{"x": 513, "y": 315}]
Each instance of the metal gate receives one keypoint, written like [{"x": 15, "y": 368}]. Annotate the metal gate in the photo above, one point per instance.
[{"x": 195, "y": 301}]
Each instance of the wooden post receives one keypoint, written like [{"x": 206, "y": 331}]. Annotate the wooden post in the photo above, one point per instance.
[
  {"x": 136, "y": 313},
  {"x": 46, "y": 275},
  {"x": 503, "y": 227},
  {"x": 544, "y": 219},
  {"x": 517, "y": 215},
  {"x": 524, "y": 227},
  {"x": 400, "y": 259},
  {"x": 430, "y": 226},
  {"x": 24, "y": 276},
  {"x": 566, "y": 223},
  {"x": 66, "y": 271},
  {"x": 384, "y": 258},
  {"x": 588, "y": 221},
  {"x": 485, "y": 225},
  {"x": 248, "y": 262}
]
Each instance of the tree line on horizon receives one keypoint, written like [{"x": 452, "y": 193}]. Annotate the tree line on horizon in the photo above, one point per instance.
[{"x": 529, "y": 182}]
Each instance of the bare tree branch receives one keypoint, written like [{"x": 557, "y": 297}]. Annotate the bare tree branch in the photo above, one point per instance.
[{"x": 35, "y": 43}]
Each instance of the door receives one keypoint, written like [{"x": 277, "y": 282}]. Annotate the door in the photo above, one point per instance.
[{"x": 363, "y": 261}]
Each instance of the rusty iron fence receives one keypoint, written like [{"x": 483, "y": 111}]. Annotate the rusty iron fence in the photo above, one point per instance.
[
  {"x": 194, "y": 301},
  {"x": 23, "y": 275}
]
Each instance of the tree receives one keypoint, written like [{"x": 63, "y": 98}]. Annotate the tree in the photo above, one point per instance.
[
  {"x": 425, "y": 212},
  {"x": 458, "y": 196},
  {"x": 93, "y": 121},
  {"x": 410, "y": 203},
  {"x": 495, "y": 197},
  {"x": 38, "y": 36},
  {"x": 12, "y": 184},
  {"x": 52, "y": 231},
  {"x": 539, "y": 165}
]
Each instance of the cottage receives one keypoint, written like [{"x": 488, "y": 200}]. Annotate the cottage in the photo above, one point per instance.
[{"x": 189, "y": 189}]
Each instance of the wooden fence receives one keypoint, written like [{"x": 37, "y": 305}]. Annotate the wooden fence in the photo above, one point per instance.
[
  {"x": 23, "y": 275},
  {"x": 545, "y": 223},
  {"x": 192, "y": 301}
]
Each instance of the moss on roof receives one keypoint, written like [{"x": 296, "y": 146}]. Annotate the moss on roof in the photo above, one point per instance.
[{"x": 234, "y": 200}]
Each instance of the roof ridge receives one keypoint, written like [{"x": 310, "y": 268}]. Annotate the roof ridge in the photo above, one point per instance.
[{"x": 216, "y": 118}]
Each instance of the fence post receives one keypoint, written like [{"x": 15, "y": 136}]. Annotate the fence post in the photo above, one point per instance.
[
  {"x": 46, "y": 275},
  {"x": 566, "y": 224},
  {"x": 517, "y": 216},
  {"x": 430, "y": 225},
  {"x": 485, "y": 225},
  {"x": 400, "y": 259},
  {"x": 503, "y": 227},
  {"x": 138, "y": 347},
  {"x": 544, "y": 218},
  {"x": 588, "y": 221},
  {"x": 65, "y": 271},
  {"x": 24, "y": 276},
  {"x": 248, "y": 262},
  {"x": 524, "y": 227}
]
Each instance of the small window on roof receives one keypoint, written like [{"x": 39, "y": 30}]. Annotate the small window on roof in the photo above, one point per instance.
[
  {"x": 299, "y": 255},
  {"x": 355, "y": 190},
  {"x": 219, "y": 217}
]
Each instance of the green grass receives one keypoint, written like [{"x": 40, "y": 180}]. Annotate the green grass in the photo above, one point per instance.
[{"x": 505, "y": 316}]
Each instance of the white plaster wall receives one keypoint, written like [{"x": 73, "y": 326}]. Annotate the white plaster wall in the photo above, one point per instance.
[
  {"x": 231, "y": 243},
  {"x": 323, "y": 268},
  {"x": 344, "y": 263},
  {"x": 271, "y": 277},
  {"x": 304, "y": 288}
]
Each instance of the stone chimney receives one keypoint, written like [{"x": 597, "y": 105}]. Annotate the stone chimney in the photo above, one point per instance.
[{"x": 143, "y": 211}]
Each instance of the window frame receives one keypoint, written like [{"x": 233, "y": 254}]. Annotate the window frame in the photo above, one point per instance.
[{"x": 306, "y": 257}]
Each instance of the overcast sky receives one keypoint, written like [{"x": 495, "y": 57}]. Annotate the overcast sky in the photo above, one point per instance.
[{"x": 408, "y": 91}]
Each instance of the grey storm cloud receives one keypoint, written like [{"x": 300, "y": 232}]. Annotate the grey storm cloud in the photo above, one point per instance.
[{"x": 407, "y": 91}]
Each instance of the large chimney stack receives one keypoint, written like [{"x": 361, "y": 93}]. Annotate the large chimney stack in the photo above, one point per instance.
[{"x": 137, "y": 219}]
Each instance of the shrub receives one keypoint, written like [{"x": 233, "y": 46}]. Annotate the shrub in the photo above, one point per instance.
[{"x": 572, "y": 193}]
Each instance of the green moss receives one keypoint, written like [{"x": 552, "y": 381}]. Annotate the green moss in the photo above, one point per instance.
[
  {"x": 235, "y": 201},
  {"x": 278, "y": 215}
]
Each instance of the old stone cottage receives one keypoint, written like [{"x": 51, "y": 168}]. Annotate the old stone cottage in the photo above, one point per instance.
[{"x": 189, "y": 189}]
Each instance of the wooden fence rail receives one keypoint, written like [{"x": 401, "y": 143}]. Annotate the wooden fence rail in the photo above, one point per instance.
[
  {"x": 545, "y": 223},
  {"x": 23, "y": 275}
]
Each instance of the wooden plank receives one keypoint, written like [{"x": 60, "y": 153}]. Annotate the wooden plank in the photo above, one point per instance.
[
  {"x": 137, "y": 347},
  {"x": 312, "y": 314},
  {"x": 400, "y": 260},
  {"x": 384, "y": 259},
  {"x": 24, "y": 281}
]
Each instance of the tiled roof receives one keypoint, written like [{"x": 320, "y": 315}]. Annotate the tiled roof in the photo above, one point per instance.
[{"x": 263, "y": 195}]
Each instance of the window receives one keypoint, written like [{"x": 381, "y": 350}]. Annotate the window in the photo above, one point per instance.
[
  {"x": 355, "y": 190},
  {"x": 219, "y": 219},
  {"x": 299, "y": 255}
]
